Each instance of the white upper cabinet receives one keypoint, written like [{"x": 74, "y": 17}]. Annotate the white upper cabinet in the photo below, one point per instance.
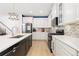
[
  {"x": 76, "y": 11},
  {"x": 49, "y": 20},
  {"x": 67, "y": 12},
  {"x": 41, "y": 23},
  {"x": 70, "y": 12},
  {"x": 55, "y": 10}
]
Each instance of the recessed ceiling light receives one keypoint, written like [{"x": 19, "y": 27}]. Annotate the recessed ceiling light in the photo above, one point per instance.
[
  {"x": 30, "y": 11},
  {"x": 41, "y": 11}
]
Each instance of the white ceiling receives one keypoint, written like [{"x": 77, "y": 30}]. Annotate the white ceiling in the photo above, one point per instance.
[{"x": 33, "y": 9}]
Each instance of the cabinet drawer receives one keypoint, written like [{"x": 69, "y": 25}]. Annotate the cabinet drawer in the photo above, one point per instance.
[
  {"x": 53, "y": 43},
  {"x": 66, "y": 48},
  {"x": 61, "y": 52}
]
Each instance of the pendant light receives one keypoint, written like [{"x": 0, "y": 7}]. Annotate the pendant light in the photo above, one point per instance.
[{"x": 13, "y": 15}]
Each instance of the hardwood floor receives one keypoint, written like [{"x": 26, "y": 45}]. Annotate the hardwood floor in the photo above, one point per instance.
[{"x": 39, "y": 48}]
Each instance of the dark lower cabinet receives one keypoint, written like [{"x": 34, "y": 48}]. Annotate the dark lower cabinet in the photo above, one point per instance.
[
  {"x": 28, "y": 43},
  {"x": 24, "y": 46},
  {"x": 30, "y": 38},
  {"x": 10, "y": 53},
  {"x": 19, "y": 49}
]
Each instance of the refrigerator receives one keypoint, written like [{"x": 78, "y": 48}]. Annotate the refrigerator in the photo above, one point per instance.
[{"x": 27, "y": 28}]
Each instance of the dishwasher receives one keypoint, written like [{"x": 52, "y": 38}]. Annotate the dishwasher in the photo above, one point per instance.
[{"x": 11, "y": 52}]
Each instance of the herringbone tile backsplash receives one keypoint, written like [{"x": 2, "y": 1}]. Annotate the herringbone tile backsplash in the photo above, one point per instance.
[{"x": 72, "y": 30}]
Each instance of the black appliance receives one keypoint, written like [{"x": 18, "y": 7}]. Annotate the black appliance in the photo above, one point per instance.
[
  {"x": 54, "y": 22},
  {"x": 60, "y": 31},
  {"x": 27, "y": 28},
  {"x": 50, "y": 38}
]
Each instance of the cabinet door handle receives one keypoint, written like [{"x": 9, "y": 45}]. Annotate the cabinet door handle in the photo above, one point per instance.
[{"x": 14, "y": 50}]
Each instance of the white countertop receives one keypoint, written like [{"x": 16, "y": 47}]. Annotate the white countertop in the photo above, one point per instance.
[
  {"x": 6, "y": 41},
  {"x": 70, "y": 41}
]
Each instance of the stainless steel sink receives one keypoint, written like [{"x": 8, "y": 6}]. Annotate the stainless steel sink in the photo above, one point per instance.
[{"x": 18, "y": 36}]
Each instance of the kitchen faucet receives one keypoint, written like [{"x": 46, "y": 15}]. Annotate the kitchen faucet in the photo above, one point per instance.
[
  {"x": 13, "y": 28},
  {"x": 12, "y": 31}
]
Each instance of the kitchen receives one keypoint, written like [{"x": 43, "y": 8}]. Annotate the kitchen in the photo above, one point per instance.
[{"x": 39, "y": 29}]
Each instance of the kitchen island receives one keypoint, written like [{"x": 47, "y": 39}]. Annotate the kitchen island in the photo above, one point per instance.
[{"x": 17, "y": 46}]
